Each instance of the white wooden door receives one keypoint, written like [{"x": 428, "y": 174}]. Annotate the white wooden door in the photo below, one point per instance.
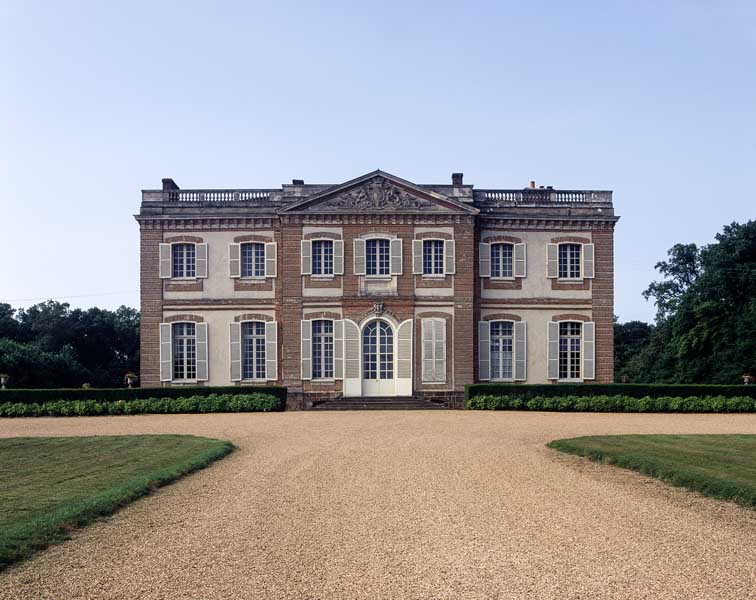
[{"x": 378, "y": 360}]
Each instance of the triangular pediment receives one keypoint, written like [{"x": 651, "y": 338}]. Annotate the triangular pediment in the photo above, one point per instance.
[{"x": 379, "y": 192}]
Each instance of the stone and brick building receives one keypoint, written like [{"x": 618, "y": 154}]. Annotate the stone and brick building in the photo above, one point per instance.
[{"x": 375, "y": 287}]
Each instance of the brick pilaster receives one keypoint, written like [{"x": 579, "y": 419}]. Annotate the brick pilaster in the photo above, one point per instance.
[
  {"x": 603, "y": 303},
  {"x": 464, "y": 306},
  {"x": 151, "y": 292}
]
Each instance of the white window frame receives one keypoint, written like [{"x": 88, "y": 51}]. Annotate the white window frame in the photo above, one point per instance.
[
  {"x": 323, "y": 364},
  {"x": 175, "y": 337},
  {"x": 569, "y": 353},
  {"x": 491, "y": 352},
  {"x": 569, "y": 279},
  {"x": 443, "y": 273},
  {"x": 241, "y": 260},
  {"x": 501, "y": 277},
  {"x": 321, "y": 275},
  {"x": 255, "y": 357},
  {"x": 387, "y": 239},
  {"x": 183, "y": 277}
]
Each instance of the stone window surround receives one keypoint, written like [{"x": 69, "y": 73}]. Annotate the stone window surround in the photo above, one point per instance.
[
  {"x": 574, "y": 284},
  {"x": 501, "y": 317},
  {"x": 433, "y": 281},
  {"x": 323, "y": 281},
  {"x": 417, "y": 365},
  {"x": 194, "y": 284},
  {"x": 184, "y": 319},
  {"x": 259, "y": 284},
  {"x": 253, "y": 317},
  {"x": 570, "y": 317}
]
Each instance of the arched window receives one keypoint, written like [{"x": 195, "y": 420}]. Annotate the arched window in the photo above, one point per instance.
[
  {"x": 378, "y": 351},
  {"x": 570, "y": 334},
  {"x": 184, "y": 351},
  {"x": 253, "y": 350},
  {"x": 569, "y": 261},
  {"x": 502, "y": 350}
]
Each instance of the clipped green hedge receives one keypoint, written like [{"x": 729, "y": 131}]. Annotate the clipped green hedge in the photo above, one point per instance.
[
  {"x": 214, "y": 403},
  {"x": 661, "y": 404},
  {"x": 125, "y": 394},
  {"x": 632, "y": 390}
]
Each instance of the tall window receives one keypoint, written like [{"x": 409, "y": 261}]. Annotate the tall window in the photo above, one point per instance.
[
  {"x": 253, "y": 350},
  {"x": 501, "y": 260},
  {"x": 184, "y": 351},
  {"x": 569, "y": 350},
  {"x": 184, "y": 261},
  {"x": 501, "y": 349},
  {"x": 322, "y": 257},
  {"x": 433, "y": 257},
  {"x": 569, "y": 261},
  {"x": 378, "y": 351},
  {"x": 377, "y": 257},
  {"x": 253, "y": 260},
  {"x": 322, "y": 349}
]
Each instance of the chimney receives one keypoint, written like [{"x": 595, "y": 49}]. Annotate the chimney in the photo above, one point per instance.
[
  {"x": 297, "y": 182},
  {"x": 457, "y": 179},
  {"x": 532, "y": 185},
  {"x": 169, "y": 184}
]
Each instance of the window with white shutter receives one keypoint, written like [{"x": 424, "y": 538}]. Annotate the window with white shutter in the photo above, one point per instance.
[
  {"x": 396, "y": 256},
  {"x": 521, "y": 351},
  {"x": 589, "y": 350},
  {"x": 520, "y": 260},
  {"x": 201, "y": 261},
  {"x": 306, "y": 256},
  {"x": 271, "y": 259},
  {"x": 203, "y": 361},
  {"x": 484, "y": 351},
  {"x": 588, "y": 261},
  {"x": 271, "y": 350},
  {"x": 306, "y": 348},
  {"x": 234, "y": 260},
  {"x": 450, "y": 257},
  {"x": 434, "y": 350},
  {"x": 166, "y": 352},
  {"x": 484, "y": 260},
  {"x": 359, "y": 256},
  {"x": 338, "y": 257},
  {"x": 235, "y": 350},
  {"x": 166, "y": 261}
]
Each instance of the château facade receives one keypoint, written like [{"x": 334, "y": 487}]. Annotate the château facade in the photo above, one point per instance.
[{"x": 375, "y": 287}]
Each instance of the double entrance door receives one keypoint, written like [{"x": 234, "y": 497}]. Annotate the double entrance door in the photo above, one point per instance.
[{"x": 378, "y": 369}]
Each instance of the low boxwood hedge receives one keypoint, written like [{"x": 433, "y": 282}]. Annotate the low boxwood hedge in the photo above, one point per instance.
[
  {"x": 214, "y": 403},
  {"x": 113, "y": 394},
  {"x": 617, "y": 403},
  {"x": 632, "y": 390}
]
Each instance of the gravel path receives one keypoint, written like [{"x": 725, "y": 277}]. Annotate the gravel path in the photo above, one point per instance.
[{"x": 402, "y": 505}]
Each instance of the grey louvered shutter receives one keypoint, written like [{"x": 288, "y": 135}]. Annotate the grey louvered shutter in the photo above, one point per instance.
[
  {"x": 338, "y": 257},
  {"x": 484, "y": 260},
  {"x": 450, "y": 258},
  {"x": 417, "y": 257},
  {"x": 439, "y": 350},
  {"x": 588, "y": 261},
  {"x": 271, "y": 259},
  {"x": 589, "y": 350},
  {"x": 306, "y": 345},
  {"x": 203, "y": 371},
  {"x": 235, "y": 352},
  {"x": 520, "y": 260},
  {"x": 359, "y": 256},
  {"x": 396, "y": 256},
  {"x": 234, "y": 260},
  {"x": 552, "y": 259},
  {"x": 426, "y": 329},
  {"x": 201, "y": 260},
  {"x": 404, "y": 358},
  {"x": 338, "y": 349},
  {"x": 351, "y": 350},
  {"x": 520, "y": 351},
  {"x": 271, "y": 350},
  {"x": 553, "y": 350},
  {"x": 166, "y": 352},
  {"x": 484, "y": 350},
  {"x": 306, "y": 255},
  {"x": 166, "y": 261}
]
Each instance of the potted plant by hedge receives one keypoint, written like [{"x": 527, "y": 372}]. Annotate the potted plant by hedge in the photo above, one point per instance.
[
  {"x": 4, "y": 377},
  {"x": 130, "y": 379}
]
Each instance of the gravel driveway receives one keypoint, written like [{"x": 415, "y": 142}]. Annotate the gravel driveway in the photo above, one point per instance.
[{"x": 442, "y": 504}]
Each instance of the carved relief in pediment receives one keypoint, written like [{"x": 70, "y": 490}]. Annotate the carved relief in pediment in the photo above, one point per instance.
[{"x": 378, "y": 194}]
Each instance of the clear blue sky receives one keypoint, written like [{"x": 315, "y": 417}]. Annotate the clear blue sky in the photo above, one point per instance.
[{"x": 654, "y": 100}]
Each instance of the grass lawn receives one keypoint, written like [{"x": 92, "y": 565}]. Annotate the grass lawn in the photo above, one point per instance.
[
  {"x": 50, "y": 485},
  {"x": 720, "y": 466}
]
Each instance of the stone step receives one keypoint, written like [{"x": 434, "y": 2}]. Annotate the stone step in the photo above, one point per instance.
[{"x": 378, "y": 403}]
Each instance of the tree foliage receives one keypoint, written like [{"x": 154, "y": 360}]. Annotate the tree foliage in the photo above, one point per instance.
[
  {"x": 51, "y": 345},
  {"x": 705, "y": 328}
]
